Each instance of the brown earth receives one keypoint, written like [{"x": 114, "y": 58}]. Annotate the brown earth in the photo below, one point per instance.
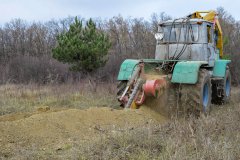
[
  {"x": 46, "y": 128},
  {"x": 56, "y": 129}
]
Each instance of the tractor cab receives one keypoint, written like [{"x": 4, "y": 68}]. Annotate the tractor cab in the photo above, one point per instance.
[{"x": 187, "y": 39}]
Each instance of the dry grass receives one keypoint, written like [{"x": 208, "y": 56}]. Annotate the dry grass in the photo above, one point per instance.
[
  {"x": 213, "y": 137},
  {"x": 28, "y": 98}
]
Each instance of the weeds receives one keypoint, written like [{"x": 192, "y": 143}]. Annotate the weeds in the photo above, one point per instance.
[
  {"x": 28, "y": 98},
  {"x": 209, "y": 137},
  {"x": 213, "y": 137}
]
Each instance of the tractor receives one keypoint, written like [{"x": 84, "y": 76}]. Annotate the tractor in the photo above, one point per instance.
[{"x": 188, "y": 73}]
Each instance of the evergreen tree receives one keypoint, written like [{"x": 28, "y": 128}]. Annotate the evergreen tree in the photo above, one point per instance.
[{"x": 84, "y": 48}]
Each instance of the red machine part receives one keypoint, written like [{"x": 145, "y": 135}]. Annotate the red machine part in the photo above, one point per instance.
[
  {"x": 140, "y": 97},
  {"x": 152, "y": 87}
]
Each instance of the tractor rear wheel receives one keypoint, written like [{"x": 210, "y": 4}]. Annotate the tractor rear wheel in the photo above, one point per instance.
[
  {"x": 222, "y": 95},
  {"x": 197, "y": 98},
  {"x": 222, "y": 89},
  {"x": 227, "y": 87}
]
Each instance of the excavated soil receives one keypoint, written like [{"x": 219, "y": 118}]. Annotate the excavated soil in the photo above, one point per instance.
[{"x": 46, "y": 128}]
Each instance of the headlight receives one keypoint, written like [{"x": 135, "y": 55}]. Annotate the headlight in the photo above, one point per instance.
[{"x": 159, "y": 36}]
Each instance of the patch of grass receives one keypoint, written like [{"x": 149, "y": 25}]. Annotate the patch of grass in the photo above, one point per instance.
[
  {"x": 213, "y": 137},
  {"x": 28, "y": 98}
]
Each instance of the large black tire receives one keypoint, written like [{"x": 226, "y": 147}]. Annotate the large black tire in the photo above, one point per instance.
[
  {"x": 227, "y": 87},
  {"x": 225, "y": 92},
  {"x": 197, "y": 98}
]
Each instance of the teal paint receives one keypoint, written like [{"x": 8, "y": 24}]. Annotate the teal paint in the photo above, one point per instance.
[
  {"x": 219, "y": 68},
  {"x": 129, "y": 65},
  {"x": 186, "y": 72},
  {"x": 126, "y": 69},
  {"x": 158, "y": 61}
]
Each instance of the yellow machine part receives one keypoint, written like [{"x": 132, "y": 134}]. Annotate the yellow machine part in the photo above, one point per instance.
[
  {"x": 212, "y": 17},
  {"x": 133, "y": 105}
]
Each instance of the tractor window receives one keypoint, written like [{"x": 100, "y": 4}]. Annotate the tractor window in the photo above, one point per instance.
[
  {"x": 169, "y": 34},
  {"x": 195, "y": 30},
  {"x": 181, "y": 33},
  {"x": 209, "y": 34}
]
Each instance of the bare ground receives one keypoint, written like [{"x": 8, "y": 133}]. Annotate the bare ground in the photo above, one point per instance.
[{"x": 106, "y": 133}]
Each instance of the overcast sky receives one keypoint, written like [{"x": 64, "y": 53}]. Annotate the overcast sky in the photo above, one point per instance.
[{"x": 44, "y": 10}]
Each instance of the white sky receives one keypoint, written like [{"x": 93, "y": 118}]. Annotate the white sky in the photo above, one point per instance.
[{"x": 44, "y": 10}]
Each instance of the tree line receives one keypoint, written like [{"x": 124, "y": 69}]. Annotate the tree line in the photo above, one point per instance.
[{"x": 26, "y": 47}]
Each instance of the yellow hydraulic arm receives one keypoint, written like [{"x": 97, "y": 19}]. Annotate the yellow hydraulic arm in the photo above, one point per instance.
[{"x": 212, "y": 17}]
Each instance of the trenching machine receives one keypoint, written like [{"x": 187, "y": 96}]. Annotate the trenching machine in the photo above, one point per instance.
[{"x": 188, "y": 67}]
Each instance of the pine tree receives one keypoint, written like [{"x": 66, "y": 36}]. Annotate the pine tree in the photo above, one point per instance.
[{"x": 84, "y": 48}]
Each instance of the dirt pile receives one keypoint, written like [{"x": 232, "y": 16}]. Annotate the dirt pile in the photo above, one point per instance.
[
  {"x": 52, "y": 128},
  {"x": 49, "y": 131}
]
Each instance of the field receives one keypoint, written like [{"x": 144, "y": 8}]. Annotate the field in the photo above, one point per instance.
[{"x": 74, "y": 121}]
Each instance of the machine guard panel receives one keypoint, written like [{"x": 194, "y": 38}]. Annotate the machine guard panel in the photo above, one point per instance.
[
  {"x": 186, "y": 72},
  {"x": 219, "y": 68},
  {"x": 126, "y": 69}
]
